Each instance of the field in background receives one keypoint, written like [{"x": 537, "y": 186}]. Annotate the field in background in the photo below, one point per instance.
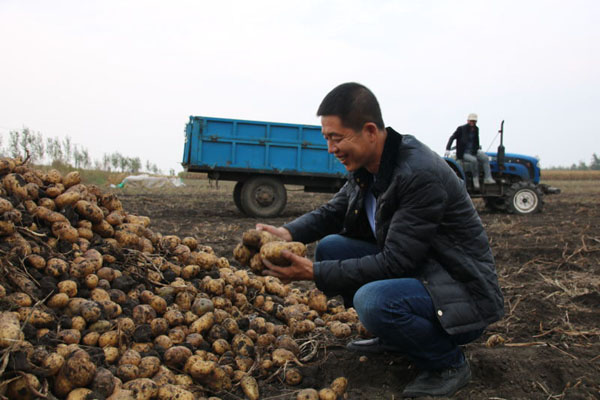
[{"x": 550, "y": 174}]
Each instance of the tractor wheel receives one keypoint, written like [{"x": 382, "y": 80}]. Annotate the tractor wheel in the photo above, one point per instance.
[
  {"x": 523, "y": 198},
  {"x": 237, "y": 196},
  {"x": 263, "y": 196}
]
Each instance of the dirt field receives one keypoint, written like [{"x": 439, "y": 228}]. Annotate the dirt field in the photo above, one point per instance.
[{"x": 548, "y": 265}]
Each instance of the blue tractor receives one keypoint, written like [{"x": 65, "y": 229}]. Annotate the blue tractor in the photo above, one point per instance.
[{"x": 517, "y": 189}]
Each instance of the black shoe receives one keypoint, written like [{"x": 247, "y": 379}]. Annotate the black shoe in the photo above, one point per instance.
[
  {"x": 439, "y": 383},
  {"x": 374, "y": 345}
]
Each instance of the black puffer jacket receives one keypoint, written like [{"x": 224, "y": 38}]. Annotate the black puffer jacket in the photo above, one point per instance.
[
  {"x": 426, "y": 227},
  {"x": 462, "y": 139}
]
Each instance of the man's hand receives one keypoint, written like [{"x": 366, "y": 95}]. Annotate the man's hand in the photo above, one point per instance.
[
  {"x": 280, "y": 232},
  {"x": 300, "y": 270}
]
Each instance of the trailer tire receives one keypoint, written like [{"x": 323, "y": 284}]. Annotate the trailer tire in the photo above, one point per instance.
[
  {"x": 237, "y": 196},
  {"x": 263, "y": 196},
  {"x": 524, "y": 198}
]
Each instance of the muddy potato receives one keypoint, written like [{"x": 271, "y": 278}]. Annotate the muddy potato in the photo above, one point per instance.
[
  {"x": 111, "y": 354},
  {"x": 203, "y": 324},
  {"x": 250, "y": 387},
  {"x": 190, "y": 242},
  {"x": 339, "y": 385},
  {"x": 90, "y": 311},
  {"x": 220, "y": 346},
  {"x": 317, "y": 300},
  {"x": 10, "y": 329},
  {"x": 307, "y": 394},
  {"x": 91, "y": 339},
  {"x": 287, "y": 342},
  {"x": 256, "y": 264},
  {"x": 340, "y": 329},
  {"x": 143, "y": 314},
  {"x": 243, "y": 254},
  {"x": 170, "y": 392},
  {"x": 198, "y": 367},
  {"x": 36, "y": 261},
  {"x": 66, "y": 199},
  {"x": 176, "y": 356},
  {"x": 274, "y": 286},
  {"x": 293, "y": 376},
  {"x": 53, "y": 363},
  {"x": 21, "y": 387},
  {"x": 327, "y": 394},
  {"x": 127, "y": 372},
  {"x": 148, "y": 366},
  {"x": 69, "y": 336},
  {"x": 104, "y": 382},
  {"x": 142, "y": 388},
  {"x": 115, "y": 218},
  {"x": 79, "y": 369},
  {"x": 272, "y": 251},
  {"x": 59, "y": 300},
  {"x": 163, "y": 342},
  {"x": 78, "y": 323},
  {"x": 130, "y": 357},
  {"x": 79, "y": 394},
  {"x": 56, "y": 267},
  {"x": 7, "y": 228},
  {"x": 283, "y": 356},
  {"x": 104, "y": 229},
  {"x": 89, "y": 211}
]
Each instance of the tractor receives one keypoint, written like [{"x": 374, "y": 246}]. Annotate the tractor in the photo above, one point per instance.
[{"x": 517, "y": 189}]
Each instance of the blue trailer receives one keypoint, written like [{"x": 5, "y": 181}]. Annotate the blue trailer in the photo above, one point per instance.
[{"x": 261, "y": 157}]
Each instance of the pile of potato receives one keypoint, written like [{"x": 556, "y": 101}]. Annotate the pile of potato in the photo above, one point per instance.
[{"x": 95, "y": 304}]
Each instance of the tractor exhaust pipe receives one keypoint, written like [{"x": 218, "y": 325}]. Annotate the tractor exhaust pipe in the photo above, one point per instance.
[{"x": 500, "y": 155}]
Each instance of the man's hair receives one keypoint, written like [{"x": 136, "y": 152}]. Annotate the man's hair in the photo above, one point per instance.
[{"x": 354, "y": 104}]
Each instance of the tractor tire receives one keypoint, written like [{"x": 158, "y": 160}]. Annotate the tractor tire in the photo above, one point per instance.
[
  {"x": 237, "y": 196},
  {"x": 263, "y": 196},
  {"x": 523, "y": 198}
]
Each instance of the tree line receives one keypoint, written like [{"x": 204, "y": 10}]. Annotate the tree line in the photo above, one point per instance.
[
  {"x": 56, "y": 150},
  {"x": 594, "y": 165}
]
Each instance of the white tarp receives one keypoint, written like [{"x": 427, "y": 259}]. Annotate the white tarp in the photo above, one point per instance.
[{"x": 150, "y": 182}]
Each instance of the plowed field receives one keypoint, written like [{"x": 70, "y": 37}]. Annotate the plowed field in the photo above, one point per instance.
[{"x": 549, "y": 269}]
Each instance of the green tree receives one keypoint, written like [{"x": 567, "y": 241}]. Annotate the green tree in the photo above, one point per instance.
[
  {"x": 13, "y": 143},
  {"x": 595, "y": 164}
]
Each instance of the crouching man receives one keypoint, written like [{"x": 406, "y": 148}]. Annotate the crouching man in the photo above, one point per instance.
[{"x": 401, "y": 243}]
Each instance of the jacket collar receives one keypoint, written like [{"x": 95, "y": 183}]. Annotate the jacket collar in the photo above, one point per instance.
[{"x": 364, "y": 178}]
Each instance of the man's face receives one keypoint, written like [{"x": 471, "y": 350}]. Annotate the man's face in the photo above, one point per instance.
[
  {"x": 472, "y": 122},
  {"x": 352, "y": 148}
]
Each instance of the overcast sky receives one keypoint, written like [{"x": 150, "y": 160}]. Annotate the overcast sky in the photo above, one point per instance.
[{"x": 126, "y": 75}]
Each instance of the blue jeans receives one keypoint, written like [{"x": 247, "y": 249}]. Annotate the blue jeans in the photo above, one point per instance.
[{"x": 399, "y": 312}]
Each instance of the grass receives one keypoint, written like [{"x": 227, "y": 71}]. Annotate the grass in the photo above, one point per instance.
[{"x": 563, "y": 175}]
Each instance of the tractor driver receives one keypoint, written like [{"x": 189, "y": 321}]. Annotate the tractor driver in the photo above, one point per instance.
[
  {"x": 401, "y": 242},
  {"x": 468, "y": 150}
]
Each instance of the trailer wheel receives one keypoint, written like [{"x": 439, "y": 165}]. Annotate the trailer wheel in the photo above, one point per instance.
[
  {"x": 263, "y": 196},
  {"x": 523, "y": 198},
  {"x": 237, "y": 196}
]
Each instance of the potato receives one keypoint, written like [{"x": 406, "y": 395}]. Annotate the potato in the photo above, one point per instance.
[
  {"x": 340, "y": 329},
  {"x": 69, "y": 336},
  {"x": 142, "y": 388},
  {"x": 127, "y": 372},
  {"x": 203, "y": 324},
  {"x": 21, "y": 387},
  {"x": 66, "y": 199},
  {"x": 307, "y": 394},
  {"x": 327, "y": 394},
  {"x": 64, "y": 231},
  {"x": 169, "y": 392},
  {"x": 176, "y": 356},
  {"x": 199, "y": 368},
  {"x": 79, "y": 394},
  {"x": 104, "y": 229},
  {"x": 91, "y": 339},
  {"x": 89, "y": 211},
  {"x": 256, "y": 239},
  {"x": 10, "y": 329},
  {"x": 53, "y": 363},
  {"x": 272, "y": 251},
  {"x": 283, "y": 356},
  {"x": 287, "y": 342},
  {"x": 67, "y": 287},
  {"x": 242, "y": 254},
  {"x": 148, "y": 366},
  {"x": 250, "y": 387},
  {"x": 78, "y": 369},
  {"x": 104, "y": 382},
  {"x": 5, "y": 205},
  {"x": 71, "y": 179},
  {"x": 57, "y": 267},
  {"x": 339, "y": 385},
  {"x": 317, "y": 300},
  {"x": 111, "y": 354},
  {"x": 7, "y": 228},
  {"x": 59, "y": 300},
  {"x": 20, "y": 299}
]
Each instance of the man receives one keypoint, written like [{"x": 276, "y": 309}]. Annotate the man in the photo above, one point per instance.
[
  {"x": 467, "y": 149},
  {"x": 401, "y": 242}
]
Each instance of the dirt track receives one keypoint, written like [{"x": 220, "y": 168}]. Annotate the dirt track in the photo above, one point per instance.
[{"x": 548, "y": 265}]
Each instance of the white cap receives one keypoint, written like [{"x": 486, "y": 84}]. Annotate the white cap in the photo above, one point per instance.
[{"x": 472, "y": 117}]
